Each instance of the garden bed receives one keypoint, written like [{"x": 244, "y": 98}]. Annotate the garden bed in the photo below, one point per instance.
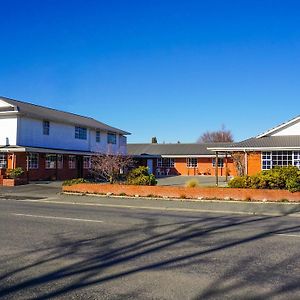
[
  {"x": 185, "y": 192},
  {"x": 13, "y": 182}
]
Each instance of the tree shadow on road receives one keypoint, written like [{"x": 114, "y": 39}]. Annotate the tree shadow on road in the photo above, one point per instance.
[{"x": 66, "y": 264}]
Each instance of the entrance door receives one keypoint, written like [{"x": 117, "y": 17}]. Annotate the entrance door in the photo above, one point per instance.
[
  {"x": 79, "y": 166},
  {"x": 150, "y": 165}
]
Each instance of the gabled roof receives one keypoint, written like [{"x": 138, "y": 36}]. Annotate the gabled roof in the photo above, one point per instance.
[
  {"x": 287, "y": 142},
  {"x": 280, "y": 127},
  {"x": 172, "y": 150},
  {"x": 42, "y": 112}
]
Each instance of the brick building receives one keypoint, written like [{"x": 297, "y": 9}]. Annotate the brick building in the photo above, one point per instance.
[{"x": 50, "y": 144}]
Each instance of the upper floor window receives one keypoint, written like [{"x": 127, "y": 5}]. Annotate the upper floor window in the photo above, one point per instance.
[
  {"x": 33, "y": 161},
  {"x": 80, "y": 133},
  {"x": 220, "y": 162},
  {"x": 192, "y": 162},
  {"x": 111, "y": 138},
  {"x": 46, "y": 127},
  {"x": 97, "y": 136}
]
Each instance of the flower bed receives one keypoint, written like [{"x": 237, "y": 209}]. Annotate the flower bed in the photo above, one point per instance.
[{"x": 185, "y": 192}]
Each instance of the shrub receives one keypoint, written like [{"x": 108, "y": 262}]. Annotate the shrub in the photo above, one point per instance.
[
  {"x": 14, "y": 173},
  {"x": 192, "y": 183},
  {"x": 277, "y": 178},
  {"x": 74, "y": 181},
  {"x": 140, "y": 176}
]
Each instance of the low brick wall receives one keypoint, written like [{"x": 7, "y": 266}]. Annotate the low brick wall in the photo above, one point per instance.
[
  {"x": 184, "y": 192},
  {"x": 13, "y": 182}
]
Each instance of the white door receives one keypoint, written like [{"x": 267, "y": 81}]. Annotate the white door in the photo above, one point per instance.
[{"x": 150, "y": 165}]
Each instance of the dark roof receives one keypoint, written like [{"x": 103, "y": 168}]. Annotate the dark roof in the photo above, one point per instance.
[
  {"x": 290, "y": 141},
  {"x": 42, "y": 112},
  {"x": 171, "y": 149}
]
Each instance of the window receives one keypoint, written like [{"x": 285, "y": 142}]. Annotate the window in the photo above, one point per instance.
[
  {"x": 3, "y": 161},
  {"x": 192, "y": 162},
  {"x": 111, "y": 138},
  {"x": 297, "y": 159},
  {"x": 33, "y": 161},
  {"x": 97, "y": 136},
  {"x": 50, "y": 161},
  {"x": 165, "y": 162},
  {"x": 80, "y": 133},
  {"x": 86, "y": 162},
  {"x": 60, "y": 161},
  {"x": 280, "y": 159},
  {"x": 220, "y": 162},
  {"x": 46, "y": 127},
  {"x": 72, "y": 162}
]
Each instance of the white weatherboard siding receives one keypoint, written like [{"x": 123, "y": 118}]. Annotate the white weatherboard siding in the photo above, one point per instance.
[
  {"x": 8, "y": 131},
  {"x": 62, "y": 136},
  {"x": 290, "y": 130}
]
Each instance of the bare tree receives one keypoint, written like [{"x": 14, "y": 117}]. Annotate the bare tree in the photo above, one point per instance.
[
  {"x": 222, "y": 135},
  {"x": 109, "y": 167},
  {"x": 239, "y": 162}
]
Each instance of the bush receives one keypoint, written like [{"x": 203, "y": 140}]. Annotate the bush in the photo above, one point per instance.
[
  {"x": 192, "y": 183},
  {"x": 74, "y": 181},
  {"x": 14, "y": 173},
  {"x": 140, "y": 176},
  {"x": 277, "y": 178}
]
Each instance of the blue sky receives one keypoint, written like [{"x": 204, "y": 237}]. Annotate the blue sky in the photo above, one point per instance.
[{"x": 170, "y": 69}]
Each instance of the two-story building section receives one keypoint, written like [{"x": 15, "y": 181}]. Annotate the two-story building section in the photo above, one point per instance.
[{"x": 52, "y": 144}]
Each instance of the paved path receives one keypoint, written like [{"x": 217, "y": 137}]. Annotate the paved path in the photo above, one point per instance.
[{"x": 68, "y": 250}]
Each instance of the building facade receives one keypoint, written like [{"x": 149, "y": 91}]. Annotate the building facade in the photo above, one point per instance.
[
  {"x": 50, "y": 144},
  {"x": 181, "y": 159},
  {"x": 279, "y": 146}
]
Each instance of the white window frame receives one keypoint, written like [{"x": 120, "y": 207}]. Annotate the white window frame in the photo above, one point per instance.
[
  {"x": 33, "y": 161},
  {"x": 98, "y": 136},
  {"x": 72, "y": 162},
  {"x": 165, "y": 162},
  {"x": 46, "y": 127},
  {"x": 111, "y": 138},
  {"x": 80, "y": 133},
  {"x": 50, "y": 161},
  {"x": 87, "y": 162},
  {"x": 3, "y": 160},
  {"x": 192, "y": 162},
  {"x": 220, "y": 162},
  {"x": 284, "y": 158}
]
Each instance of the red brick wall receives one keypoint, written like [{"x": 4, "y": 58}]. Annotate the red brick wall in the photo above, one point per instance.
[
  {"x": 47, "y": 174},
  {"x": 179, "y": 192}
]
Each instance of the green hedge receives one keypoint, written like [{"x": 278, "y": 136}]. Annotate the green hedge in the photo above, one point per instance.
[
  {"x": 283, "y": 178},
  {"x": 140, "y": 176}
]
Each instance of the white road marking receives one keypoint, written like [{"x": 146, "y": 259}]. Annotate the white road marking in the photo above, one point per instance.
[
  {"x": 289, "y": 235},
  {"x": 59, "y": 218}
]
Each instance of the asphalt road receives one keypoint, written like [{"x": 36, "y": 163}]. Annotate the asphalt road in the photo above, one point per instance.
[{"x": 71, "y": 251}]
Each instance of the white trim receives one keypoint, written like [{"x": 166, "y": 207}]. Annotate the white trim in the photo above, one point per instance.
[
  {"x": 254, "y": 149},
  {"x": 286, "y": 124},
  {"x": 189, "y": 156}
]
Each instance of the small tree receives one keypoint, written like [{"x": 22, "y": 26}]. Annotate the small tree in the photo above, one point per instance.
[
  {"x": 221, "y": 135},
  {"x": 109, "y": 167},
  {"x": 239, "y": 162}
]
